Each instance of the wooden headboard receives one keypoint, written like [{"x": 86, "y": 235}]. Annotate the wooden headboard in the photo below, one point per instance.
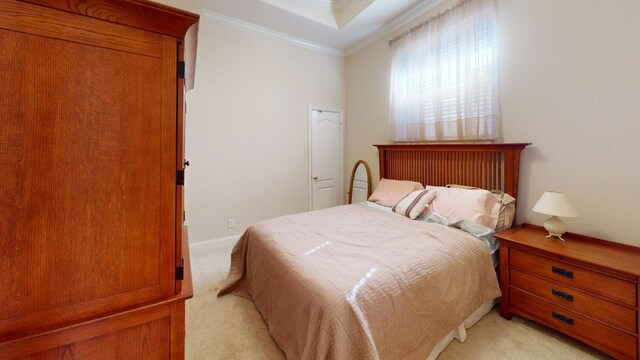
[{"x": 486, "y": 166}]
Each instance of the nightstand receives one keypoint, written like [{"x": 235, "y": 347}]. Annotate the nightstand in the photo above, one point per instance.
[{"x": 584, "y": 287}]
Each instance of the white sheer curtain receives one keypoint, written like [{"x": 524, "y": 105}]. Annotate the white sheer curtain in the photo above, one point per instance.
[{"x": 444, "y": 77}]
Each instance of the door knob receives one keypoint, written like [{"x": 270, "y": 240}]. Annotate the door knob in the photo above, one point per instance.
[{"x": 315, "y": 178}]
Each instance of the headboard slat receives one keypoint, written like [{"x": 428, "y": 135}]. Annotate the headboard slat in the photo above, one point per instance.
[{"x": 487, "y": 166}]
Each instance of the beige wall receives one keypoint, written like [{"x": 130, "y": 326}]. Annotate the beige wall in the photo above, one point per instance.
[
  {"x": 569, "y": 83},
  {"x": 247, "y": 134}
]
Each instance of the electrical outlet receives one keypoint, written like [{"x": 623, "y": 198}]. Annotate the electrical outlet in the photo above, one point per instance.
[{"x": 231, "y": 223}]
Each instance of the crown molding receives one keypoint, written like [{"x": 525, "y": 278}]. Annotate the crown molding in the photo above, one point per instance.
[
  {"x": 266, "y": 32},
  {"x": 336, "y": 6},
  {"x": 325, "y": 3},
  {"x": 342, "y": 4},
  {"x": 411, "y": 15}
]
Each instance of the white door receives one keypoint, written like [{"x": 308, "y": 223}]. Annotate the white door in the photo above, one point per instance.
[{"x": 326, "y": 159}]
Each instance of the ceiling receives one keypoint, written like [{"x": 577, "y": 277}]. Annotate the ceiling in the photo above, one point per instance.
[
  {"x": 333, "y": 13},
  {"x": 339, "y": 24}
]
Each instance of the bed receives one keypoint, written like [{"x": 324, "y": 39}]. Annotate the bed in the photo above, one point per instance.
[{"x": 357, "y": 282}]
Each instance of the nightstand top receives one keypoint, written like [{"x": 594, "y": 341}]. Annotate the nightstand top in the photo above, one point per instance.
[{"x": 620, "y": 257}]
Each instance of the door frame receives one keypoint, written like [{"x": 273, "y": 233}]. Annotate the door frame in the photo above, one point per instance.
[{"x": 311, "y": 109}]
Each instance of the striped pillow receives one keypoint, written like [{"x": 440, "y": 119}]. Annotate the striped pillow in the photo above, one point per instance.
[{"x": 414, "y": 204}]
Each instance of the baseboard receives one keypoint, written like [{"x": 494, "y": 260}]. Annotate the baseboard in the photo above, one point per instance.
[{"x": 225, "y": 243}]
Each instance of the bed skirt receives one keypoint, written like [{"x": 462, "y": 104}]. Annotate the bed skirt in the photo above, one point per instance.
[{"x": 460, "y": 332}]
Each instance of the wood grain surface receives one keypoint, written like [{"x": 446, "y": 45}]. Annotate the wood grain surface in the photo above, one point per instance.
[
  {"x": 89, "y": 213},
  {"x": 82, "y": 176},
  {"x": 486, "y": 166},
  {"x": 620, "y": 316},
  {"x": 602, "y": 337},
  {"x": 121, "y": 344},
  {"x": 592, "y": 281},
  {"x": 140, "y": 14},
  {"x": 610, "y": 255},
  {"x": 38, "y": 20},
  {"x": 584, "y": 287}
]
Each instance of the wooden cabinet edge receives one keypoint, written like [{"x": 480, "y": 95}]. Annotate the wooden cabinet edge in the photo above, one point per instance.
[
  {"x": 137, "y": 27},
  {"x": 187, "y": 284},
  {"x": 173, "y": 307},
  {"x": 506, "y": 310},
  {"x": 94, "y": 328},
  {"x": 178, "y": 330},
  {"x": 140, "y": 14},
  {"x": 562, "y": 249},
  {"x": 504, "y": 280}
]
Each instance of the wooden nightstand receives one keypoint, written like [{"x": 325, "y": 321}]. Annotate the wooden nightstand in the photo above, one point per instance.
[{"x": 586, "y": 288}]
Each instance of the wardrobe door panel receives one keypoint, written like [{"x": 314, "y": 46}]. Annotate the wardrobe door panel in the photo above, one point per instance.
[
  {"x": 148, "y": 341},
  {"x": 83, "y": 189}
]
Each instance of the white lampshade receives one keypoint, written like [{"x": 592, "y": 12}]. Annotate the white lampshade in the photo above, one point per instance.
[{"x": 555, "y": 203}]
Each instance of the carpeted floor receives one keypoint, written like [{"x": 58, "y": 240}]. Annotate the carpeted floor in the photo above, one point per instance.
[{"x": 231, "y": 328}]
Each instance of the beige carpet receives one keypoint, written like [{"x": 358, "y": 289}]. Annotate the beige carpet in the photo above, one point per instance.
[{"x": 231, "y": 328}]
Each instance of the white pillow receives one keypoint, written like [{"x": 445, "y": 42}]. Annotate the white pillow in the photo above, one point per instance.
[
  {"x": 477, "y": 205},
  {"x": 507, "y": 208},
  {"x": 414, "y": 203}
]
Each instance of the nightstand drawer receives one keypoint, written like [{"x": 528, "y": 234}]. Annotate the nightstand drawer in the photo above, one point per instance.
[
  {"x": 568, "y": 322},
  {"x": 560, "y": 271},
  {"x": 578, "y": 301}
]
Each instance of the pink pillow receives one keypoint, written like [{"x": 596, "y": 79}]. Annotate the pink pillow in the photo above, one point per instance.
[
  {"x": 389, "y": 192},
  {"x": 478, "y": 206}
]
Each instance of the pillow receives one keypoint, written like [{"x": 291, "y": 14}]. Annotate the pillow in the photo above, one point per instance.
[
  {"x": 507, "y": 206},
  {"x": 389, "y": 192},
  {"x": 414, "y": 203},
  {"x": 482, "y": 233},
  {"x": 507, "y": 210},
  {"x": 475, "y": 205}
]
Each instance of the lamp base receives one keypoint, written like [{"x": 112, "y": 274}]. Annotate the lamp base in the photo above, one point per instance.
[{"x": 555, "y": 227}]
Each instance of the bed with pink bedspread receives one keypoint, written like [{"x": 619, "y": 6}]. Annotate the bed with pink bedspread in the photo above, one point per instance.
[{"x": 353, "y": 282}]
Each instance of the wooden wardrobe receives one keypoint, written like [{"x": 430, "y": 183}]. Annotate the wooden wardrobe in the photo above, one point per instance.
[{"x": 94, "y": 260}]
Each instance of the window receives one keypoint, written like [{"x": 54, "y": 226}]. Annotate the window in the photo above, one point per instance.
[{"x": 444, "y": 77}]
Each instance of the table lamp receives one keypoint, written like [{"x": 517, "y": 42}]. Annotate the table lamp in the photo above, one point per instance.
[{"x": 555, "y": 203}]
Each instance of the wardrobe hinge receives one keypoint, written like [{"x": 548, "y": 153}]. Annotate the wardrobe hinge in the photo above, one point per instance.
[
  {"x": 180, "y": 177},
  {"x": 181, "y": 70},
  {"x": 180, "y": 273}
]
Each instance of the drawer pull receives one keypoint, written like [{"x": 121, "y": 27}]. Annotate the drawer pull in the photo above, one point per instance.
[
  {"x": 562, "y": 295},
  {"x": 564, "y": 319},
  {"x": 562, "y": 272}
]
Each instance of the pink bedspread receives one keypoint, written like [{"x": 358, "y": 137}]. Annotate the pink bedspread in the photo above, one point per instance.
[{"x": 352, "y": 282}]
